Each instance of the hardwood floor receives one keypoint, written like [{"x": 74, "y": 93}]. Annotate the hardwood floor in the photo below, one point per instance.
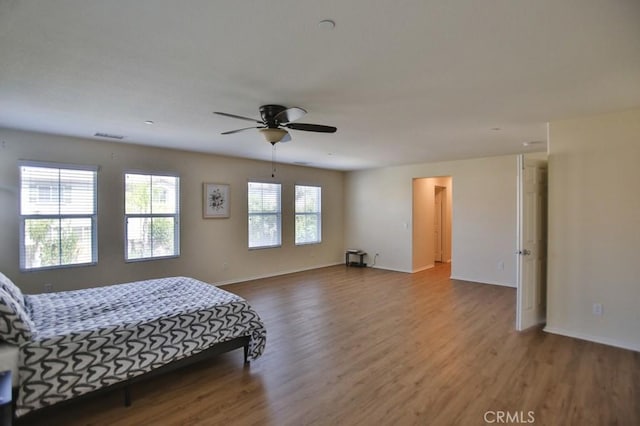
[{"x": 351, "y": 346}]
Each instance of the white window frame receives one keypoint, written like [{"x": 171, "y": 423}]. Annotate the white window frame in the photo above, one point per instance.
[
  {"x": 175, "y": 216},
  {"x": 60, "y": 217},
  {"x": 317, "y": 213},
  {"x": 278, "y": 214}
]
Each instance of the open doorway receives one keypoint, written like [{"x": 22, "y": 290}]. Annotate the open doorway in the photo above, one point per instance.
[{"x": 432, "y": 221}]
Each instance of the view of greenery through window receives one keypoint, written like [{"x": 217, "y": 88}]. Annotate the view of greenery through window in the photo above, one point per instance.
[
  {"x": 151, "y": 210},
  {"x": 308, "y": 214},
  {"x": 56, "y": 242},
  {"x": 264, "y": 214},
  {"x": 57, "y": 210}
]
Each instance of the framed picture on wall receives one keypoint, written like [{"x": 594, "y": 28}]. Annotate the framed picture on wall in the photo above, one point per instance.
[{"x": 215, "y": 200}]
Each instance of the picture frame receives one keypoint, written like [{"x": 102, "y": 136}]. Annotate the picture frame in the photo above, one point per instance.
[{"x": 215, "y": 200}]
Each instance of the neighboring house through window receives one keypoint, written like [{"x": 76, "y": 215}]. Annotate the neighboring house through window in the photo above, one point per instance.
[
  {"x": 58, "y": 215},
  {"x": 152, "y": 216},
  {"x": 265, "y": 215},
  {"x": 308, "y": 206}
]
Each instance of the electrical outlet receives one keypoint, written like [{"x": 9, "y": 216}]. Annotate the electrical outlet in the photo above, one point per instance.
[
  {"x": 48, "y": 287},
  {"x": 501, "y": 265},
  {"x": 597, "y": 309},
  {"x": 225, "y": 266}
]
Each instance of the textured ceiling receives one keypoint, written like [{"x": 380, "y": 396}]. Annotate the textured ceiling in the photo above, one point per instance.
[{"x": 404, "y": 81}]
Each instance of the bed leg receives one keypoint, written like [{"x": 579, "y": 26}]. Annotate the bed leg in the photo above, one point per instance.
[
  {"x": 7, "y": 414},
  {"x": 127, "y": 396},
  {"x": 7, "y": 400},
  {"x": 246, "y": 353}
]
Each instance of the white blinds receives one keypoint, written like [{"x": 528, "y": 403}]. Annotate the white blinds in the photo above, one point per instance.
[
  {"x": 264, "y": 206},
  {"x": 54, "y": 191},
  {"x": 151, "y": 194}
]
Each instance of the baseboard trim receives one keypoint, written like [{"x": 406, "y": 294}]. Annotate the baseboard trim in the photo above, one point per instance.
[
  {"x": 591, "y": 338},
  {"x": 424, "y": 268},
  {"x": 483, "y": 282},
  {"x": 275, "y": 274},
  {"x": 390, "y": 269}
]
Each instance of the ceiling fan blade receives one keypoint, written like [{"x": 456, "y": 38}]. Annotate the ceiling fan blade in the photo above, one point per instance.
[
  {"x": 238, "y": 116},
  {"x": 239, "y": 130},
  {"x": 311, "y": 127},
  {"x": 290, "y": 114},
  {"x": 286, "y": 138}
]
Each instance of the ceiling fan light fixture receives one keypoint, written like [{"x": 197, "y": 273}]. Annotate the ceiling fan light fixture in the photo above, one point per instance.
[
  {"x": 273, "y": 135},
  {"x": 327, "y": 24}
]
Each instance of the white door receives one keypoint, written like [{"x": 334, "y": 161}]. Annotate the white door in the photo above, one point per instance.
[
  {"x": 532, "y": 250},
  {"x": 437, "y": 225}
]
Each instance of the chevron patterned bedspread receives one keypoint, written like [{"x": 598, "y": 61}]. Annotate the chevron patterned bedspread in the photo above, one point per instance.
[{"x": 88, "y": 339}]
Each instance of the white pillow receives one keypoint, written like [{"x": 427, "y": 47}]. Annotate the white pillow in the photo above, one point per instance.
[{"x": 7, "y": 285}]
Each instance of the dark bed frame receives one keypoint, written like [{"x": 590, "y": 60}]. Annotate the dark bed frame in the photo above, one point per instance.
[{"x": 212, "y": 351}]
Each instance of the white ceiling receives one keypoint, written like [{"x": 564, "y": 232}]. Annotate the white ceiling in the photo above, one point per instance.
[{"x": 404, "y": 81}]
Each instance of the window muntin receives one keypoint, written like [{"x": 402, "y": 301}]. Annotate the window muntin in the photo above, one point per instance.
[
  {"x": 58, "y": 215},
  {"x": 265, "y": 215},
  {"x": 152, "y": 216},
  {"x": 308, "y": 214}
]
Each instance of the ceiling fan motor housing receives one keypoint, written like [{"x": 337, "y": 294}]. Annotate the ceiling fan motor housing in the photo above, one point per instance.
[{"x": 268, "y": 114}]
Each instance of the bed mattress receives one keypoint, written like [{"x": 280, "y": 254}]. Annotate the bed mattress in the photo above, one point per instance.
[{"x": 88, "y": 339}]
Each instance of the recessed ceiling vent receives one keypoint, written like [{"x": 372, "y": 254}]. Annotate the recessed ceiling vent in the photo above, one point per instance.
[{"x": 109, "y": 135}]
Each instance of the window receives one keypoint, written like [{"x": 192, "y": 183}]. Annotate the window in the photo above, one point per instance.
[
  {"x": 264, "y": 215},
  {"x": 308, "y": 214},
  {"x": 152, "y": 216},
  {"x": 57, "y": 215}
]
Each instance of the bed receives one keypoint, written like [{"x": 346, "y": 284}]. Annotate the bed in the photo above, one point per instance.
[{"x": 78, "y": 342}]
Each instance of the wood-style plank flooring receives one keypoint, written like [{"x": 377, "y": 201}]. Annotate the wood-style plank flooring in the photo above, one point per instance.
[{"x": 351, "y": 346}]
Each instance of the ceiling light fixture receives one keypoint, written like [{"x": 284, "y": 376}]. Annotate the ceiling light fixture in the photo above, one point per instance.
[
  {"x": 327, "y": 24},
  {"x": 148, "y": 122},
  {"x": 273, "y": 135}
]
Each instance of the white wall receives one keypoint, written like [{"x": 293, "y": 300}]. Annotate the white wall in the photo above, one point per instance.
[
  {"x": 378, "y": 216},
  {"x": 594, "y": 228},
  {"x": 206, "y": 244}
]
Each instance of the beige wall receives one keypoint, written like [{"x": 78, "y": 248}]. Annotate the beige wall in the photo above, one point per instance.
[
  {"x": 424, "y": 221},
  {"x": 378, "y": 216},
  {"x": 206, "y": 245},
  {"x": 594, "y": 228}
]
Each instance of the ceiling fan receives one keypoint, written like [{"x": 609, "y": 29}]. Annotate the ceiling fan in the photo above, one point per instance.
[{"x": 274, "y": 118}]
